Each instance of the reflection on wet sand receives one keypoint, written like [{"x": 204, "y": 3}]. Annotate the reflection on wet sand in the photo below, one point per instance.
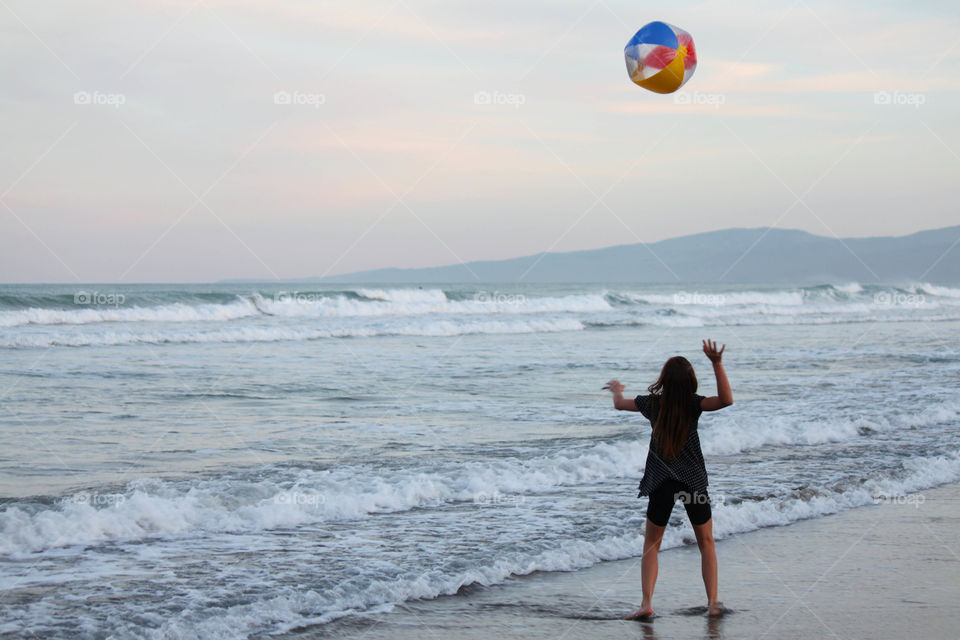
[{"x": 713, "y": 625}]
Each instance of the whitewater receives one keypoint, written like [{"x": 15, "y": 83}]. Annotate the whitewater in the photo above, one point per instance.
[{"x": 241, "y": 460}]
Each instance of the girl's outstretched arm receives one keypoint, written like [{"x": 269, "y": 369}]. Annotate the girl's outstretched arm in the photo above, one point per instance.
[
  {"x": 619, "y": 402},
  {"x": 724, "y": 397}
]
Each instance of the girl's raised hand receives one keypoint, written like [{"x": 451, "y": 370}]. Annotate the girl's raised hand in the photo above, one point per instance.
[
  {"x": 710, "y": 349},
  {"x": 615, "y": 386}
]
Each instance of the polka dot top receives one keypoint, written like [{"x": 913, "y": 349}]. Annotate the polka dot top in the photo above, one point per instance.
[{"x": 687, "y": 468}]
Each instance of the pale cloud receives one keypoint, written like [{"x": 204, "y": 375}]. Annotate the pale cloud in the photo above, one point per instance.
[
  {"x": 773, "y": 79},
  {"x": 393, "y": 19},
  {"x": 706, "y": 109},
  {"x": 861, "y": 81},
  {"x": 728, "y": 76}
]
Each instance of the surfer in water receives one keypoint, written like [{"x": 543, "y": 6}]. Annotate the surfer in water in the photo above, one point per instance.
[{"x": 675, "y": 469}]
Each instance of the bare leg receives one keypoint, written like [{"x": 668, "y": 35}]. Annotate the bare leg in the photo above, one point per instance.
[
  {"x": 652, "y": 538},
  {"x": 708, "y": 564}
]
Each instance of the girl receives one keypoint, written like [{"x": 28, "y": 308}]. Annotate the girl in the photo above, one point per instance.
[{"x": 675, "y": 468}]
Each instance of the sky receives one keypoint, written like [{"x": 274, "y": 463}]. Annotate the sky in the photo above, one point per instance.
[{"x": 191, "y": 141}]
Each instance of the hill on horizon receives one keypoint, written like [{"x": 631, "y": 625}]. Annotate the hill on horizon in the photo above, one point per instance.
[{"x": 736, "y": 255}]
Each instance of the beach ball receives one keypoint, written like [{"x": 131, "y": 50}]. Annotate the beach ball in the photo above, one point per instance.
[{"x": 660, "y": 57}]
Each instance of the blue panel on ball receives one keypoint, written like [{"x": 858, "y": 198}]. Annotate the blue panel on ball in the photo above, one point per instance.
[{"x": 655, "y": 33}]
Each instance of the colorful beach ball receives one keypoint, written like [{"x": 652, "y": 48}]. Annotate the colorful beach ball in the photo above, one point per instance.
[{"x": 660, "y": 57}]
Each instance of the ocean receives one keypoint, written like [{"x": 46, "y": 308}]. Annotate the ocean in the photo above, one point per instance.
[{"x": 247, "y": 460}]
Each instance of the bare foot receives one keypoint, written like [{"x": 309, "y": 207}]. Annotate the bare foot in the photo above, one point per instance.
[
  {"x": 642, "y": 613},
  {"x": 715, "y": 608}
]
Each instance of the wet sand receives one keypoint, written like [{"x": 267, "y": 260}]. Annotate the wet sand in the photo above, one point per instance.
[{"x": 882, "y": 571}]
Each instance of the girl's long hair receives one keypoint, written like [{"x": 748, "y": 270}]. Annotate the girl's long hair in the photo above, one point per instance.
[{"x": 673, "y": 392}]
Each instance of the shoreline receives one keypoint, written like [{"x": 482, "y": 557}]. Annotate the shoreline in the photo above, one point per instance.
[{"x": 879, "y": 571}]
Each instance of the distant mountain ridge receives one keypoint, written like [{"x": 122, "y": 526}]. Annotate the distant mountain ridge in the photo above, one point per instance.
[{"x": 737, "y": 255}]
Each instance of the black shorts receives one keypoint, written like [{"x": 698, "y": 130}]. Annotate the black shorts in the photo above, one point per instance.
[{"x": 697, "y": 503}]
